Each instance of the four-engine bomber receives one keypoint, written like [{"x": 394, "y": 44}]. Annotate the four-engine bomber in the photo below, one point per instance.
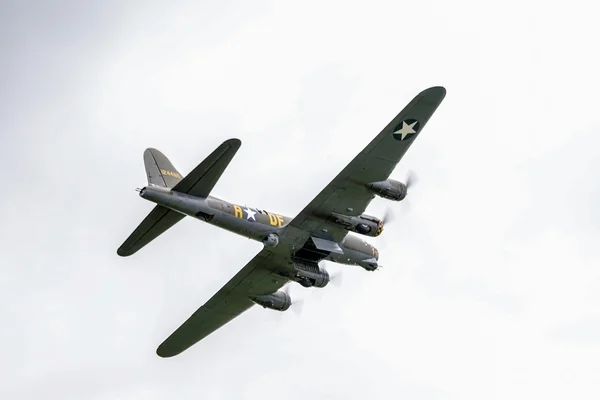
[{"x": 293, "y": 248}]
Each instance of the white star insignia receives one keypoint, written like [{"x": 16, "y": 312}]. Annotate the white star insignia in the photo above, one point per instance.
[
  {"x": 406, "y": 129},
  {"x": 250, "y": 214}
]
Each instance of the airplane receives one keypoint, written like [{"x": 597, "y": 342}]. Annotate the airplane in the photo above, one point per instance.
[{"x": 293, "y": 247}]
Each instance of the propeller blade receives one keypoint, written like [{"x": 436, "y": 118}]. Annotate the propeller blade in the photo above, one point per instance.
[
  {"x": 406, "y": 207},
  {"x": 297, "y": 306},
  {"x": 297, "y": 303},
  {"x": 388, "y": 216},
  {"x": 411, "y": 179},
  {"x": 336, "y": 279}
]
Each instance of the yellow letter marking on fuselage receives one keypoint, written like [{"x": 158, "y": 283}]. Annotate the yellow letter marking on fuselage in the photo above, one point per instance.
[
  {"x": 238, "y": 211},
  {"x": 272, "y": 219},
  {"x": 275, "y": 220}
]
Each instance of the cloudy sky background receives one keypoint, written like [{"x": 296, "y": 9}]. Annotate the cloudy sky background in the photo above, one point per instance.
[{"x": 491, "y": 286}]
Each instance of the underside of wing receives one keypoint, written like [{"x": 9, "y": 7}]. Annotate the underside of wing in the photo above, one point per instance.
[
  {"x": 255, "y": 279},
  {"x": 158, "y": 221},
  {"x": 348, "y": 193},
  {"x": 203, "y": 178}
]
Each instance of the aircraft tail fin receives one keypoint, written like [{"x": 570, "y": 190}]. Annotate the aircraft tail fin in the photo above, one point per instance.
[
  {"x": 159, "y": 170},
  {"x": 198, "y": 183}
]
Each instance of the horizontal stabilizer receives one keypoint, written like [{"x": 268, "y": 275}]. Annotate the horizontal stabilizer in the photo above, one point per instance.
[
  {"x": 203, "y": 178},
  {"x": 159, "y": 220},
  {"x": 161, "y": 172}
]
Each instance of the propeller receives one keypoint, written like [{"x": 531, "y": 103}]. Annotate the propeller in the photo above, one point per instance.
[
  {"x": 388, "y": 216},
  {"x": 411, "y": 179},
  {"x": 297, "y": 305},
  {"x": 335, "y": 278}
]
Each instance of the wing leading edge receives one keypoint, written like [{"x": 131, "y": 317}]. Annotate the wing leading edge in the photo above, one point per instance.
[
  {"x": 230, "y": 301},
  {"x": 347, "y": 193}
]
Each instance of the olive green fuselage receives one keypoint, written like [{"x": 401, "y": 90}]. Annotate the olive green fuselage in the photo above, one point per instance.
[{"x": 258, "y": 224}]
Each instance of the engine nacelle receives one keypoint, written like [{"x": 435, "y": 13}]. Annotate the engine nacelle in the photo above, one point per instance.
[
  {"x": 389, "y": 189},
  {"x": 279, "y": 300},
  {"x": 309, "y": 274},
  {"x": 271, "y": 240},
  {"x": 363, "y": 224}
]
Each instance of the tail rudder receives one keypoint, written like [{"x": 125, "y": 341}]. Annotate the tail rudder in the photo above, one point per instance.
[{"x": 159, "y": 170}]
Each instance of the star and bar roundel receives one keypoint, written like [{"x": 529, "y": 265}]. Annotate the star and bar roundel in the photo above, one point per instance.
[{"x": 406, "y": 129}]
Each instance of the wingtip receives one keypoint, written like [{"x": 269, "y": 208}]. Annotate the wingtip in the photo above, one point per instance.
[
  {"x": 233, "y": 142},
  {"x": 162, "y": 353},
  {"x": 439, "y": 90},
  {"x": 123, "y": 253}
]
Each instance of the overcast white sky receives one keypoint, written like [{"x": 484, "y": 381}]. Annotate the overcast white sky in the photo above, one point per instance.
[{"x": 491, "y": 283}]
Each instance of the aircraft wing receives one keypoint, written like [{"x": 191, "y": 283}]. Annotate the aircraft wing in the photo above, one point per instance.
[
  {"x": 231, "y": 300},
  {"x": 347, "y": 193}
]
